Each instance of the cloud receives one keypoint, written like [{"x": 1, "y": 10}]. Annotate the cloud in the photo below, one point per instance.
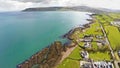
[
  {"x": 111, "y": 4},
  {"x": 30, "y": 0},
  {"x": 13, "y": 5}
]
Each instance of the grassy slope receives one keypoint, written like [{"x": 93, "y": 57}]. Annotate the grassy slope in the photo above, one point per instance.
[{"x": 72, "y": 61}]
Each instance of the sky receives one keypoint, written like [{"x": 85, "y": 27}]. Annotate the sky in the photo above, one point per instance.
[{"x": 17, "y": 5}]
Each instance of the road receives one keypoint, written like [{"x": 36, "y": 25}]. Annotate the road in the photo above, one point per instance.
[{"x": 107, "y": 40}]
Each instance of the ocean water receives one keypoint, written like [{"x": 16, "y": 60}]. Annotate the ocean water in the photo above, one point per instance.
[{"x": 24, "y": 33}]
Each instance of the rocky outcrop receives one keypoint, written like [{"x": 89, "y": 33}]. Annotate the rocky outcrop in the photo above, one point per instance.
[
  {"x": 47, "y": 58},
  {"x": 35, "y": 59}
]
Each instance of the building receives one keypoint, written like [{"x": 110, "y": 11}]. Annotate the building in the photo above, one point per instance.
[
  {"x": 97, "y": 64},
  {"x": 116, "y": 23},
  {"x": 87, "y": 45},
  {"x": 99, "y": 36},
  {"x": 84, "y": 64},
  {"x": 84, "y": 54},
  {"x": 88, "y": 38},
  {"x": 119, "y": 53},
  {"x": 103, "y": 42}
]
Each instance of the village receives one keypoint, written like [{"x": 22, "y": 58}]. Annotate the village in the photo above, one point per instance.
[
  {"x": 95, "y": 48},
  {"x": 101, "y": 41}
]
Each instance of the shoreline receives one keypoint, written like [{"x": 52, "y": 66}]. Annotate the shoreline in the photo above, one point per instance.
[{"x": 65, "y": 50}]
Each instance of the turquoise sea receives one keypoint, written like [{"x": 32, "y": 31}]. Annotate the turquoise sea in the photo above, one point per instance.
[{"x": 24, "y": 33}]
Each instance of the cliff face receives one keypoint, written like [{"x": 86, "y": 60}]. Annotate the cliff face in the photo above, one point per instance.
[{"x": 47, "y": 58}]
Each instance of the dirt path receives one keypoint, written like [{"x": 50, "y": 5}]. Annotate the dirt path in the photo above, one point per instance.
[{"x": 66, "y": 54}]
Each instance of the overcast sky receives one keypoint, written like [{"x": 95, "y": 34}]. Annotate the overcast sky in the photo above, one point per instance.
[{"x": 15, "y": 5}]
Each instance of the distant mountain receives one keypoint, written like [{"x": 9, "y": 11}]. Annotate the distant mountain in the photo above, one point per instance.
[{"x": 76, "y": 8}]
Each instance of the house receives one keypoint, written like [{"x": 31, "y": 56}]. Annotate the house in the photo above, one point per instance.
[
  {"x": 110, "y": 65},
  {"x": 103, "y": 42},
  {"x": 85, "y": 64},
  {"x": 87, "y": 45},
  {"x": 88, "y": 65},
  {"x": 84, "y": 54},
  {"x": 88, "y": 38},
  {"x": 103, "y": 64},
  {"x": 99, "y": 37},
  {"x": 97, "y": 64},
  {"x": 119, "y": 53},
  {"x": 116, "y": 23}
]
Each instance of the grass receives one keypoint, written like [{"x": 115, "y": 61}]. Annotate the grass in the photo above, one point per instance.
[
  {"x": 104, "y": 18},
  {"x": 75, "y": 54},
  {"x": 93, "y": 29},
  {"x": 115, "y": 15},
  {"x": 94, "y": 45},
  {"x": 68, "y": 63},
  {"x": 113, "y": 35},
  {"x": 72, "y": 59},
  {"x": 100, "y": 56}
]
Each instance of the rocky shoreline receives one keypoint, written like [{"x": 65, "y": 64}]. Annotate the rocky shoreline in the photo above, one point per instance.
[
  {"x": 47, "y": 58},
  {"x": 50, "y": 56}
]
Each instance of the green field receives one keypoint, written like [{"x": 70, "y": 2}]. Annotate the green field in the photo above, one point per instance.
[
  {"x": 100, "y": 56},
  {"x": 67, "y": 63},
  {"x": 113, "y": 35},
  {"x": 94, "y": 29},
  {"x": 115, "y": 15},
  {"x": 72, "y": 61}
]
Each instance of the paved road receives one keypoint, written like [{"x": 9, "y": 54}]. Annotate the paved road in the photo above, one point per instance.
[{"x": 107, "y": 40}]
